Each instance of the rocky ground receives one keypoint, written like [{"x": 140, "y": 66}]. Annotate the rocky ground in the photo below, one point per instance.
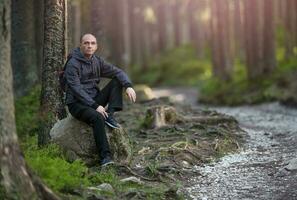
[{"x": 266, "y": 166}]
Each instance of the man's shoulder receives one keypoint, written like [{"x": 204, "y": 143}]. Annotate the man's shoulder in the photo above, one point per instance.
[{"x": 73, "y": 61}]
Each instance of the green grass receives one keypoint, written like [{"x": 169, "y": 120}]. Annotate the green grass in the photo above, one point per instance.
[
  {"x": 64, "y": 178},
  {"x": 48, "y": 162}
]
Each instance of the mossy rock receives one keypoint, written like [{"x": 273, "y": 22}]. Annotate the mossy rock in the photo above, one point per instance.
[
  {"x": 77, "y": 141},
  {"x": 144, "y": 93}
]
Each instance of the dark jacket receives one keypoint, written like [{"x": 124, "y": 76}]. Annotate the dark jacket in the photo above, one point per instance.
[{"x": 82, "y": 76}]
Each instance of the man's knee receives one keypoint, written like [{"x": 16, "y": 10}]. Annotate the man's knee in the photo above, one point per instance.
[
  {"x": 116, "y": 82},
  {"x": 97, "y": 117}
]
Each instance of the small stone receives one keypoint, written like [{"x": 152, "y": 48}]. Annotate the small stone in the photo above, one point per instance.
[
  {"x": 185, "y": 164},
  {"x": 132, "y": 179},
  {"x": 105, "y": 187},
  {"x": 292, "y": 165}
]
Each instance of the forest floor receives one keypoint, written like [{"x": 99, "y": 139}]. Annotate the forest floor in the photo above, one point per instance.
[
  {"x": 163, "y": 157},
  {"x": 266, "y": 165}
]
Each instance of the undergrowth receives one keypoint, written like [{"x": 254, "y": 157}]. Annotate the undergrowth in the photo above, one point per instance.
[{"x": 66, "y": 178}]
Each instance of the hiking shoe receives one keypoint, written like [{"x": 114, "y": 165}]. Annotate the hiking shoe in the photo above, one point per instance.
[
  {"x": 106, "y": 161},
  {"x": 111, "y": 122}
]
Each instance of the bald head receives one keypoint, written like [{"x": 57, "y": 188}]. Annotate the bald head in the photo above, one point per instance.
[
  {"x": 87, "y": 35},
  {"x": 88, "y": 45}
]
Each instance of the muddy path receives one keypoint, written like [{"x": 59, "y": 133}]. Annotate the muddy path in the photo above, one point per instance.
[{"x": 260, "y": 170}]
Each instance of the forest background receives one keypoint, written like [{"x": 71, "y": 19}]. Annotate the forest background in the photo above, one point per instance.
[{"x": 233, "y": 51}]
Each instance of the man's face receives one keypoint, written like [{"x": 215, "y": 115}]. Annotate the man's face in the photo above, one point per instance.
[{"x": 88, "y": 45}]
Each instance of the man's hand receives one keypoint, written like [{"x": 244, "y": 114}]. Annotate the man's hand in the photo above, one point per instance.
[
  {"x": 131, "y": 94},
  {"x": 101, "y": 110}
]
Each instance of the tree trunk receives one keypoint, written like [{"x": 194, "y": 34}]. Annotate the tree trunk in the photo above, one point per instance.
[
  {"x": 175, "y": 10},
  {"x": 194, "y": 26},
  {"x": 136, "y": 19},
  {"x": 185, "y": 26},
  {"x": 238, "y": 29},
  {"x": 221, "y": 58},
  {"x": 16, "y": 182},
  {"x": 38, "y": 9},
  {"x": 52, "y": 107},
  {"x": 126, "y": 33},
  {"x": 252, "y": 39},
  {"x": 290, "y": 27},
  {"x": 269, "y": 60},
  {"x": 161, "y": 25},
  {"x": 23, "y": 47},
  {"x": 74, "y": 24}
]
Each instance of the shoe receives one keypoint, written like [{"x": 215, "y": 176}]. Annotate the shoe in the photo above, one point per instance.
[
  {"x": 111, "y": 122},
  {"x": 106, "y": 161}
]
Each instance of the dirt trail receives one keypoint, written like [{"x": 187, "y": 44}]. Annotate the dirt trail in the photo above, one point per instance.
[{"x": 258, "y": 171}]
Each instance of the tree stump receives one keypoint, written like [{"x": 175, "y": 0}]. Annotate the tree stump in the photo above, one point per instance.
[
  {"x": 159, "y": 116},
  {"x": 77, "y": 141}
]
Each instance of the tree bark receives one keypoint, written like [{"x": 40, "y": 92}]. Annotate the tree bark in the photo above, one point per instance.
[
  {"x": 161, "y": 25},
  {"x": 290, "y": 27},
  {"x": 252, "y": 39},
  {"x": 269, "y": 60},
  {"x": 74, "y": 24},
  {"x": 126, "y": 33},
  {"x": 176, "y": 22},
  {"x": 23, "y": 47},
  {"x": 16, "y": 181},
  {"x": 52, "y": 107},
  {"x": 38, "y": 10},
  {"x": 194, "y": 26},
  {"x": 221, "y": 58}
]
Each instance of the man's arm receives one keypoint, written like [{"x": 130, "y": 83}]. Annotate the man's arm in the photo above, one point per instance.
[
  {"x": 108, "y": 70},
  {"x": 73, "y": 82}
]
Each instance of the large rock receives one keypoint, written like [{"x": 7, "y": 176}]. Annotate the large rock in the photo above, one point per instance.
[
  {"x": 144, "y": 93},
  {"x": 77, "y": 141}
]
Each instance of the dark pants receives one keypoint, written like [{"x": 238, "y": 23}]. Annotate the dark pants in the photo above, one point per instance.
[{"x": 111, "y": 94}]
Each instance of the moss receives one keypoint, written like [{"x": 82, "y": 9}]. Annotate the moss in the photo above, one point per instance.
[
  {"x": 26, "y": 113},
  {"x": 49, "y": 164}
]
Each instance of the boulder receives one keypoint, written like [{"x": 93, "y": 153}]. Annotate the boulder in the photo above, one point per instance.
[
  {"x": 77, "y": 141},
  {"x": 144, "y": 93}
]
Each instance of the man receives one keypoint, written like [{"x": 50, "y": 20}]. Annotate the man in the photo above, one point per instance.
[{"x": 85, "y": 101}]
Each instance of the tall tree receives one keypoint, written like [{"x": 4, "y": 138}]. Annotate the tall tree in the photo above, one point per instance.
[
  {"x": 114, "y": 27},
  {"x": 269, "y": 61},
  {"x": 136, "y": 19},
  {"x": 175, "y": 10},
  {"x": 74, "y": 23},
  {"x": 126, "y": 33},
  {"x": 16, "y": 181},
  {"x": 161, "y": 24},
  {"x": 252, "y": 39},
  {"x": 38, "y": 13},
  {"x": 52, "y": 107},
  {"x": 290, "y": 27},
  {"x": 237, "y": 29},
  {"x": 220, "y": 43},
  {"x": 23, "y": 47}
]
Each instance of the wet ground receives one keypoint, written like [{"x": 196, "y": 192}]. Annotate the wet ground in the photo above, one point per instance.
[{"x": 258, "y": 170}]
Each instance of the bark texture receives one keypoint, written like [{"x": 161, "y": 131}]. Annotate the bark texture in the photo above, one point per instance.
[
  {"x": 23, "y": 47},
  {"x": 252, "y": 39},
  {"x": 269, "y": 60},
  {"x": 52, "y": 107},
  {"x": 220, "y": 43},
  {"x": 16, "y": 181}
]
